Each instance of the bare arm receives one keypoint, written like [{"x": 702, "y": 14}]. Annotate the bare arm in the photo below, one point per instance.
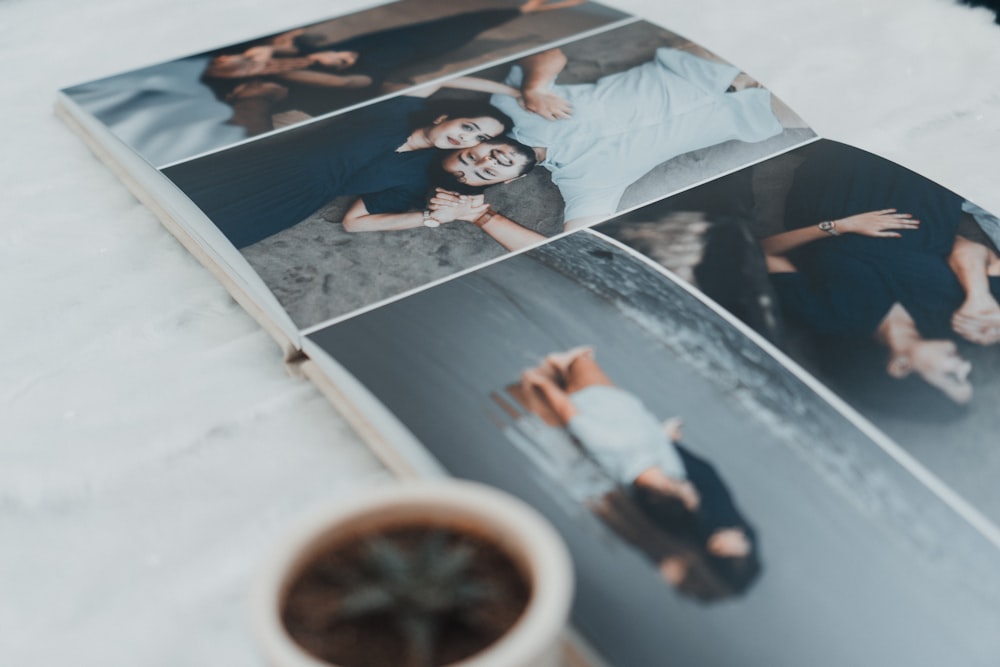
[
  {"x": 978, "y": 318},
  {"x": 883, "y": 224},
  {"x": 506, "y": 232},
  {"x": 540, "y": 70},
  {"x": 327, "y": 80},
  {"x": 358, "y": 219},
  {"x": 473, "y": 83},
  {"x": 554, "y": 395},
  {"x": 970, "y": 261},
  {"x": 500, "y": 228},
  {"x": 782, "y": 243}
]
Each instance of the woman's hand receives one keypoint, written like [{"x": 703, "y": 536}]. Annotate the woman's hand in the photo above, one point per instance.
[
  {"x": 884, "y": 223},
  {"x": 547, "y": 105},
  {"x": 879, "y": 224},
  {"x": 448, "y": 206}
]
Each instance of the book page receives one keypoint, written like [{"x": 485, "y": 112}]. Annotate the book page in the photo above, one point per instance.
[{"x": 709, "y": 487}]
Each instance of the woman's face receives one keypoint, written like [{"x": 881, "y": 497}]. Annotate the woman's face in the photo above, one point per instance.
[{"x": 453, "y": 133}]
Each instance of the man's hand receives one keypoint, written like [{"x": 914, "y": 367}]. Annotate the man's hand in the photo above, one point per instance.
[
  {"x": 447, "y": 206},
  {"x": 547, "y": 105}
]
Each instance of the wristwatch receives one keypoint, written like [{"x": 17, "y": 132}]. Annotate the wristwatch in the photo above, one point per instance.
[
  {"x": 429, "y": 221},
  {"x": 829, "y": 227}
]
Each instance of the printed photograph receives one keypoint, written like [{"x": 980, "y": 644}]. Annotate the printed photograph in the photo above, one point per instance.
[
  {"x": 880, "y": 282},
  {"x": 706, "y": 493},
  {"x": 351, "y": 210},
  {"x": 176, "y": 110},
  {"x": 678, "y": 511}
]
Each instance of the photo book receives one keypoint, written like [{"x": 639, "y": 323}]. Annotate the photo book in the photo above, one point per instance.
[{"x": 751, "y": 375}]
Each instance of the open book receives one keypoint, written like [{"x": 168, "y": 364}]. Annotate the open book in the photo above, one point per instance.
[{"x": 561, "y": 250}]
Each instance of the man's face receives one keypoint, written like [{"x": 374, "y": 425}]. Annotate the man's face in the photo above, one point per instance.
[{"x": 485, "y": 164}]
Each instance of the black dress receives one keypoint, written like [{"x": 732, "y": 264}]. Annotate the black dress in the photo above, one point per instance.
[
  {"x": 717, "y": 511},
  {"x": 380, "y": 55},
  {"x": 383, "y": 52},
  {"x": 258, "y": 189},
  {"x": 846, "y": 285}
]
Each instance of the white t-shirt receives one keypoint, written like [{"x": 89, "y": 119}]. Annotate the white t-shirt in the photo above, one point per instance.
[
  {"x": 627, "y": 123},
  {"x": 988, "y": 222},
  {"x": 622, "y": 435}
]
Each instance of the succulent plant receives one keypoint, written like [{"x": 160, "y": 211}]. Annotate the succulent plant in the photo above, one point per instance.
[{"x": 421, "y": 588}]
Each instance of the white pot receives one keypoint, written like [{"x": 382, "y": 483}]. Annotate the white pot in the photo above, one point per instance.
[{"x": 516, "y": 528}]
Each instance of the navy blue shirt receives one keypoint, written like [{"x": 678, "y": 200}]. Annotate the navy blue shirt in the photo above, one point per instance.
[{"x": 261, "y": 188}]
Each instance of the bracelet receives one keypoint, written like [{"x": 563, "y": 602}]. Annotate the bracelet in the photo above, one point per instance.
[{"x": 484, "y": 218}]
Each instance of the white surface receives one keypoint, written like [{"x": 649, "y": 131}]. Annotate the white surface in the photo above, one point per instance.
[{"x": 151, "y": 445}]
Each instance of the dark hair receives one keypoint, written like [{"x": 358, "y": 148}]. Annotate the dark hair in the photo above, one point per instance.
[
  {"x": 440, "y": 177},
  {"x": 704, "y": 582},
  {"x": 522, "y": 149},
  {"x": 668, "y": 512},
  {"x": 459, "y": 109},
  {"x": 673, "y": 533},
  {"x": 739, "y": 572}
]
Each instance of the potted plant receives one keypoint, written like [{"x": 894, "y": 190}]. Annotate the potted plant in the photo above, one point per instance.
[{"x": 417, "y": 574}]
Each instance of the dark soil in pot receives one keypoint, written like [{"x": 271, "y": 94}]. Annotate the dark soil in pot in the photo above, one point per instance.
[{"x": 404, "y": 597}]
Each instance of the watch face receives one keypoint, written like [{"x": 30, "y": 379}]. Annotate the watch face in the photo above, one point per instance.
[{"x": 431, "y": 222}]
